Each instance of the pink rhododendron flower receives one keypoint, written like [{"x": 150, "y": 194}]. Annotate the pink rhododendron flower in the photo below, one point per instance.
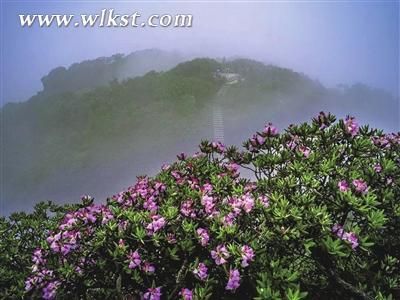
[
  {"x": 187, "y": 209},
  {"x": 186, "y": 294},
  {"x": 220, "y": 254},
  {"x": 270, "y": 130},
  {"x": 65, "y": 249},
  {"x": 232, "y": 167},
  {"x": 160, "y": 187},
  {"x": 350, "y": 237},
  {"x": 203, "y": 235},
  {"x": 148, "y": 267},
  {"x": 207, "y": 188},
  {"x": 256, "y": 142},
  {"x": 305, "y": 150},
  {"x": 49, "y": 291},
  {"x": 37, "y": 257},
  {"x": 343, "y": 186},
  {"x": 208, "y": 203},
  {"x": 157, "y": 223},
  {"x": 360, "y": 186},
  {"x": 234, "y": 280},
  {"x": 176, "y": 175},
  {"x": 235, "y": 204},
  {"x": 260, "y": 140},
  {"x": 248, "y": 202},
  {"x": 377, "y": 168},
  {"x": 150, "y": 204},
  {"x": 107, "y": 216},
  {"x": 134, "y": 259},
  {"x": 201, "y": 271},
  {"x": 249, "y": 187},
  {"x": 264, "y": 200},
  {"x": 218, "y": 146},
  {"x": 165, "y": 167},
  {"x": 322, "y": 120},
  {"x": 247, "y": 255},
  {"x": 152, "y": 294},
  {"x": 229, "y": 219},
  {"x": 351, "y": 126}
]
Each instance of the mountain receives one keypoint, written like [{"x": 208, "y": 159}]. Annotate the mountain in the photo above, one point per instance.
[
  {"x": 90, "y": 74},
  {"x": 67, "y": 141}
]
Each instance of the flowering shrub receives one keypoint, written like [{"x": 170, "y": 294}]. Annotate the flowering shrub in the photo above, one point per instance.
[{"x": 319, "y": 219}]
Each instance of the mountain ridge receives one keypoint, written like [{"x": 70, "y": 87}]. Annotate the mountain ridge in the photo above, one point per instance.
[{"x": 95, "y": 139}]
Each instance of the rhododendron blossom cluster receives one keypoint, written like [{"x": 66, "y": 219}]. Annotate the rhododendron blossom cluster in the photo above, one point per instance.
[{"x": 317, "y": 218}]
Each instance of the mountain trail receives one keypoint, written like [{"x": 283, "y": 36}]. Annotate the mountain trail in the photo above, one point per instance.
[{"x": 218, "y": 118}]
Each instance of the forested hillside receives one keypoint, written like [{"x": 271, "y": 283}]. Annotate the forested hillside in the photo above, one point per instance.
[
  {"x": 90, "y": 74},
  {"x": 63, "y": 144}
]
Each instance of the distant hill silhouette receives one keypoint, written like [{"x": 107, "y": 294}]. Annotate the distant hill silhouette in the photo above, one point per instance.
[{"x": 90, "y": 74}]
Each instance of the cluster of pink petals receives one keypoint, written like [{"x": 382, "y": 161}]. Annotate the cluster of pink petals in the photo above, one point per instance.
[
  {"x": 387, "y": 140},
  {"x": 256, "y": 142},
  {"x": 37, "y": 257},
  {"x": 44, "y": 278},
  {"x": 264, "y": 200},
  {"x": 153, "y": 294},
  {"x": 187, "y": 209},
  {"x": 306, "y": 151},
  {"x": 186, "y": 294},
  {"x": 218, "y": 147},
  {"x": 203, "y": 235},
  {"x": 201, "y": 271},
  {"x": 65, "y": 241},
  {"x": 343, "y": 186},
  {"x": 270, "y": 130},
  {"x": 208, "y": 203},
  {"x": 229, "y": 219},
  {"x": 39, "y": 272},
  {"x": 134, "y": 259},
  {"x": 157, "y": 223},
  {"x": 145, "y": 195},
  {"x": 360, "y": 186},
  {"x": 148, "y": 267},
  {"x": 377, "y": 168},
  {"x": 293, "y": 143},
  {"x": 350, "y": 237},
  {"x": 207, "y": 188},
  {"x": 233, "y": 167},
  {"x": 234, "y": 280},
  {"x": 145, "y": 191},
  {"x": 220, "y": 255},
  {"x": 247, "y": 255},
  {"x": 351, "y": 126},
  {"x": 50, "y": 290},
  {"x": 243, "y": 203}
]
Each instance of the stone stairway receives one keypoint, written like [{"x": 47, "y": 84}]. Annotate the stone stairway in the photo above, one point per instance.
[{"x": 218, "y": 117}]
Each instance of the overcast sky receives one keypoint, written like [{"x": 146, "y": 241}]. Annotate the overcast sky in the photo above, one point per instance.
[{"x": 334, "y": 42}]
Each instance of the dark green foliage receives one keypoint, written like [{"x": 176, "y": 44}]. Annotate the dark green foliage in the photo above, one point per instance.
[{"x": 20, "y": 234}]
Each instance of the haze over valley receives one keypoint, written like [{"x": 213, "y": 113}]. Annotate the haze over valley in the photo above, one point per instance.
[{"x": 98, "y": 124}]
